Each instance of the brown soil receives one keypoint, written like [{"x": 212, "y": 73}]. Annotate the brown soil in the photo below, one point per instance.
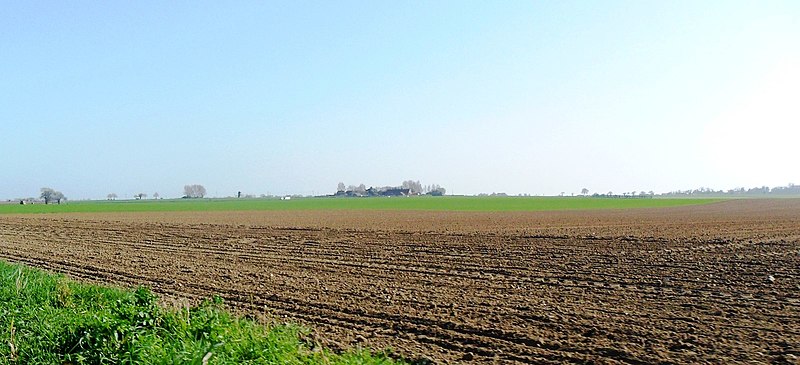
[{"x": 676, "y": 285}]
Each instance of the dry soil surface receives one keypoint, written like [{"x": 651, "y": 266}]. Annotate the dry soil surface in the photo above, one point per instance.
[{"x": 718, "y": 283}]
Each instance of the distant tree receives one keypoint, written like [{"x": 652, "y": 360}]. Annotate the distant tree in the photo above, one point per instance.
[
  {"x": 340, "y": 187},
  {"x": 433, "y": 189},
  {"x": 112, "y": 196},
  {"x": 584, "y": 191},
  {"x": 49, "y": 195},
  {"x": 140, "y": 196},
  {"x": 155, "y": 195},
  {"x": 412, "y": 186},
  {"x": 194, "y": 191}
]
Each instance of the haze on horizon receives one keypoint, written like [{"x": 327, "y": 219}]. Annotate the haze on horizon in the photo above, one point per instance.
[{"x": 516, "y": 97}]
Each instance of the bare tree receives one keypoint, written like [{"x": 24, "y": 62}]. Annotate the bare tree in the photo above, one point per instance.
[
  {"x": 112, "y": 196},
  {"x": 58, "y": 196},
  {"x": 584, "y": 191},
  {"x": 412, "y": 186},
  {"x": 140, "y": 196},
  {"x": 340, "y": 187},
  {"x": 194, "y": 191},
  {"x": 49, "y": 195},
  {"x": 155, "y": 195}
]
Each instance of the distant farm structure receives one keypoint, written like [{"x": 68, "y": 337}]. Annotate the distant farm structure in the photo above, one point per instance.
[
  {"x": 386, "y": 191},
  {"x": 408, "y": 188}
]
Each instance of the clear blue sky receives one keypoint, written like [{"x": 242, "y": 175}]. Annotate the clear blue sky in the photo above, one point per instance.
[{"x": 485, "y": 96}]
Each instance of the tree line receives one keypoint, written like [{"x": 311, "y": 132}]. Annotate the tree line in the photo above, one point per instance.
[
  {"x": 189, "y": 191},
  {"x": 790, "y": 189}
]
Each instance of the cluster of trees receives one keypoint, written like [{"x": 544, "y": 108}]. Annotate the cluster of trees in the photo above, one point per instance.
[
  {"x": 585, "y": 192},
  {"x": 194, "y": 191},
  {"x": 141, "y": 196},
  {"x": 790, "y": 189},
  {"x": 189, "y": 191},
  {"x": 493, "y": 194},
  {"x": 413, "y": 188},
  {"x": 360, "y": 189},
  {"x": 416, "y": 188},
  {"x": 632, "y": 194},
  {"x": 49, "y": 195}
]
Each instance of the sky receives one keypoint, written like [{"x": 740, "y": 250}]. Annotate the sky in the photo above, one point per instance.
[{"x": 537, "y": 97}]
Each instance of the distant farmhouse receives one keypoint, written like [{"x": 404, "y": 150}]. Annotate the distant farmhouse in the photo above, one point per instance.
[
  {"x": 408, "y": 188},
  {"x": 394, "y": 192},
  {"x": 387, "y": 191}
]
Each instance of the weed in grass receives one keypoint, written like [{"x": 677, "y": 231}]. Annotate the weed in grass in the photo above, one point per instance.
[
  {"x": 62, "y": 294},
  {"x": 20, "y": 282},
  {"x": 12, "y": 347}
]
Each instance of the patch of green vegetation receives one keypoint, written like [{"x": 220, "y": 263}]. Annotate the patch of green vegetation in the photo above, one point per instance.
[
  {"x": 445, "y": 203},
  {"x": 48, "y": 319}
]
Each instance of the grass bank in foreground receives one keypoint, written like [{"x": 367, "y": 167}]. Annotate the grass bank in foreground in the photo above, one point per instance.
[
  {"x": 48, "y": 319},
  {"x": 446, "y": 203}
]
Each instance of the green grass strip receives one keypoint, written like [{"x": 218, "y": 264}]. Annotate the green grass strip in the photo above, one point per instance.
[
  {"x": 48, "y": 319},
  {"x": 448, "y": 203}
]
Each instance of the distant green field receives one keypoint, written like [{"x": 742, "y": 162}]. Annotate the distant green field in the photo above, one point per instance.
[{"x": 455, "y": 203}]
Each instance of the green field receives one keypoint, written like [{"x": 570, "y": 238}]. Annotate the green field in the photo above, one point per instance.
[
  {"x": 48, "y": 319},
  {"x": 449, "y": 203}
]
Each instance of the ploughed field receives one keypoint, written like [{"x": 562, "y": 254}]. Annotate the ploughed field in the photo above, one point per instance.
[{"x": 717, "y": 283}]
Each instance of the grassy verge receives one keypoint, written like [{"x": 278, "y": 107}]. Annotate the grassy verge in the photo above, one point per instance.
[
  {"x": 48, "y": 319},
  {"x": 447, "y": 203}
]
